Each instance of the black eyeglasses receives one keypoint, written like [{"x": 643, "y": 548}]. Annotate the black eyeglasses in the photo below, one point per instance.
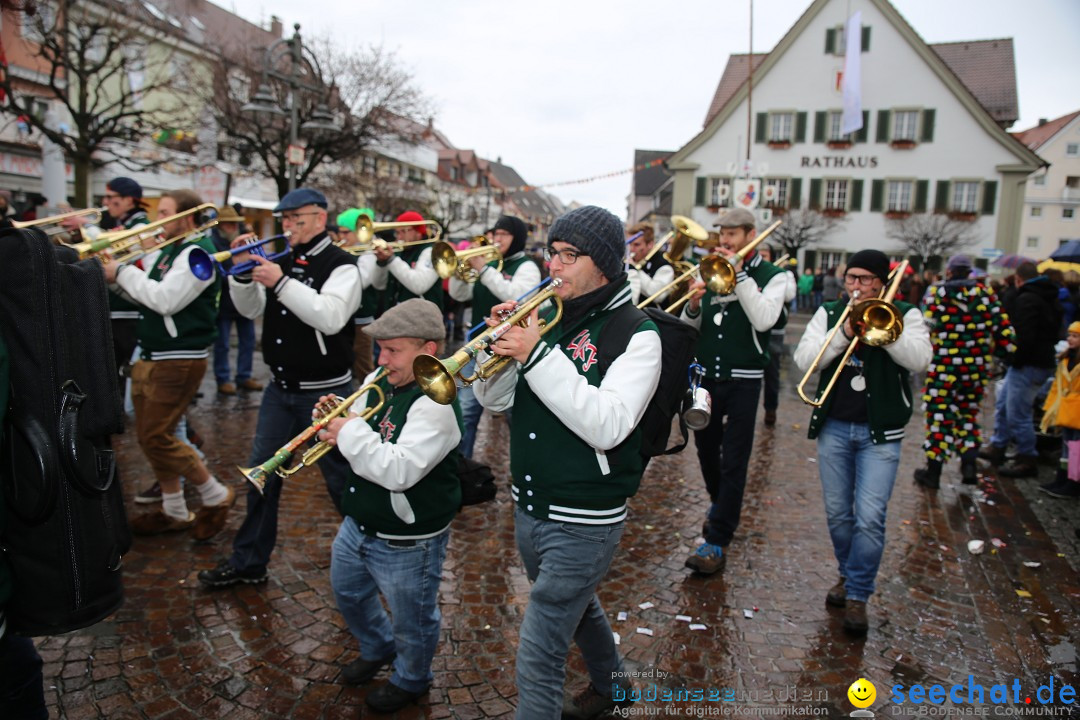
[
  {"x": 864, "y": 280},
  {"x": 567, "y": 256}
]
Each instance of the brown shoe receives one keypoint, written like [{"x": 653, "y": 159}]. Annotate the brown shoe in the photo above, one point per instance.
[
  {"x": 226, "y": 389},
  {"x": 855, "y": 621},
  {"x": 157, "y": 522},
  {"x": 211, "y": 519},
  {"x": 250, "y": 384},
  {"x": 837, "y": 595},
  {"x": 770, "y": 418}
]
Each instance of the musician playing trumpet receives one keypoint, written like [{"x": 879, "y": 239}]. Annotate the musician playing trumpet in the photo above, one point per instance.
[
  {"x": 734, "y": 349},
  {"x": 519, "y": 273},
  {"x": 647, "y": 276},
  {"x": 409, "y": 273},
  {"x": 403, "y": 492},
  {"x": 859, "y": 427},
  {"x": 574, "y": 457}
]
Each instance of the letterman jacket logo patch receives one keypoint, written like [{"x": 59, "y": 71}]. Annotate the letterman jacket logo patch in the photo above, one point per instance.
[
  {"x": 387, "y": 428},
  {"x": 583, "y": 350}
]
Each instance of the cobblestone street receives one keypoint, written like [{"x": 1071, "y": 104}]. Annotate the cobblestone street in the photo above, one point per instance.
[{"x": 275, "y": 651}]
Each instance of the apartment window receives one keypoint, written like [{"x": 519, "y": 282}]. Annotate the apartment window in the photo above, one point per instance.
[
  {"x": 899, "y": 199},
  {"x": 904, "y": 122},
  {"x": 720, "y": 192},
  {"x": 780, "y": 127},
  {"x": 1072, "y": 181},
  {"x": 1039, "y": 180},
  {"x": 1072, "y": 149},
  {"x": 830, "y": 260},
  {"x": 43, "y": 19},
  {"x": 965, "y": 196},
  {"x": 453, "y": 173},
  {"x": 1068, "y": 213},
  {"x": 1036, "y": 211},
  {"x": 369, "y": 165},
  {"x": 1032, "y": 242},
  {"x": 836, "y": 194},
  {"x": 775, "y": 193},
  {"x": 835, "y": 122}
]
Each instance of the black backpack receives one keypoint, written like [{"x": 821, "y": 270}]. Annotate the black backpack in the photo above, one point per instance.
[
  {"x": 65, "y": 530},
  {"x": 678, "y": 342}
]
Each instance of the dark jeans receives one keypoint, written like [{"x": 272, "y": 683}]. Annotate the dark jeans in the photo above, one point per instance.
[
  {"x": 22, "y": 696},
  {"x": 282, "y": 416},
  {"x": 245, "y": 334},
  {"x": 723, "y": 450},
  {"x": 772, "y": 372}
]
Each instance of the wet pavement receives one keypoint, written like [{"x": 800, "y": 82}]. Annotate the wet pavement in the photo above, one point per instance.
[{"x": 768, "y": 646}]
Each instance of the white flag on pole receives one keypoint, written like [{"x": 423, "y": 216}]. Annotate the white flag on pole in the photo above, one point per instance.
[{"x": 852, "y": 82}]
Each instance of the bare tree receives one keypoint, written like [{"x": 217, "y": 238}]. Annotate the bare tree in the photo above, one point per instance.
[
  {"x": 369, "y": 93},
  {"x": 455, "y": 209},
  {"x": 803, "y": 228},
  {"x": 927, "y": 235},
  {"x": 93, "y": 57}
]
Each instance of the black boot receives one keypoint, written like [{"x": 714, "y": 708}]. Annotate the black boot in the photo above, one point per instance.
[
  {"x": 930, "y": 476},
  {"x": 1022, "y": 466},
  {"x": 993, "y": 453},
  {"x": 968, "y": 471}
]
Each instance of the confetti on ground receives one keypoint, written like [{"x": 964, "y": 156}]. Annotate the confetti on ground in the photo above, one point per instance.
[
  {"x": 906, "y": 522},
  {"x": 975, "y": 547},
  {"x": 648, "y": 527},
  {"x": 813, "y": 460},
  {"x": 998, "y": 543},
  {"x": 944, "y": 548},
  {"x": 748, "y": 614},
  {"x": 622, "y": 617},
  {"x": 683, "y": 618},
  {"x": 646, "y": 605},
  {"x": 644, "y": 631},
  {"x": 1030, "y": 564},
  {"x": 697, "y": 626},
  {"x": 615, "y": 636},
  {"x": 1023, "y": 593}
]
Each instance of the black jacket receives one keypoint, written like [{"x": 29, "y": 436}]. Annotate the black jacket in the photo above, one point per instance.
[{"x": 1036, "y": 317}]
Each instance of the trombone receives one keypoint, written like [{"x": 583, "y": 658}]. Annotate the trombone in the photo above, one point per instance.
[
  {"x": 95, "y": 213},
  {"x": 879, "y": 324},
  {"x": 125, "y": 246},
  {"x": 437, "y": 378},
  {"x": 449, "y": 261},
  {"x": 334, "y": 406},
  {"x": 366, "y": 229},
  {"x": 685, "y": 231}
]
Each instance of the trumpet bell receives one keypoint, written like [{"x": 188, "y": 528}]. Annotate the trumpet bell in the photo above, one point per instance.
[
  {"x": 444, "y": 259},
  {"x": 255, "y": 475},
  {"x": 436, "y": 378}
]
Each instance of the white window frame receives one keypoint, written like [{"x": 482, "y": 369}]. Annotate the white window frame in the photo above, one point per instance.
[
  {"x": 1036, "y": 211},
  {"x": 783, "y": 185},
  {"x": 715, "y": 183},
  {"x": 910, "y": 134},
  {"x": 1032, "y": 242},
  {"x": 1039, "y": 180},
  {"x": 1072, "y": 150},
  {"x": 837, "y": 194},
  {"x": 828, "y": 260},
  {"x": 968, "y": 201},
  {"x": 899, "y": 195},
  {"x": 833, "y": 131},
  {"x": 1071, "y": 216},
  {"x": 780, "y": 123}
]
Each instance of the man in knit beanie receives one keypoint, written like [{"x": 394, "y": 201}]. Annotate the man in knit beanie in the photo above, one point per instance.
[{"x": 575, "y": 460}]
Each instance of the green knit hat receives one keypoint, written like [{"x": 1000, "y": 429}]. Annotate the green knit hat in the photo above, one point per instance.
[{"x": 348, "y": 218}]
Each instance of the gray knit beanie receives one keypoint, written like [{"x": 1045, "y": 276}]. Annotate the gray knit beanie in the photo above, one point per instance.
[{"x": 596, "y": 233}]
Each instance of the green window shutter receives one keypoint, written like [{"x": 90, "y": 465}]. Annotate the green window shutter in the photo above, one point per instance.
[
  {"x": 941, "y": 199},
  {"x": 820, "y": 118},
  {"x": 877, "y": 195},
  {"x": 989, "y": 196},
  {"x": 866, "y": 38},
  {"x": 815, "y": 194},
  {"x": 761, "y": 128},
  {"x": 863, "y": 134},
  {"x": 856, "y": 195},
  {"x": 800, "y": 127},
  {"x": 795, "y": 195},
  {"x": 922, "y": 190},
  {"x": 882, "y": 126},
  {"x": 699, "y": 197},
  {"x": 830, "y": 41},
  {"x": 927, "y": 126}
]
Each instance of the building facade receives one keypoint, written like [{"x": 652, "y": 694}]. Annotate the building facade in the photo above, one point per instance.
[
  {"x": 1052, "y": 195},
  {"x": 932, "y": 141}
]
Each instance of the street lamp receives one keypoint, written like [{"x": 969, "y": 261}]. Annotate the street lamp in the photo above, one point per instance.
[{"x": 264, "y": 102}]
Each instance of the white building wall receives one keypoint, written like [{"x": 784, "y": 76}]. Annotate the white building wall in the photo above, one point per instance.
[{"x": 1041, "y": 234}]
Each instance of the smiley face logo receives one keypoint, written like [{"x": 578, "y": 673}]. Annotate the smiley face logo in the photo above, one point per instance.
[{"x": 862, "y": 693}]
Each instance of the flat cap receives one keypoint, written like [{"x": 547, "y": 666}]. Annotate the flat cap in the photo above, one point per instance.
[
  {"x": 300, "y": 197},
  {"x": 736, "y": 218},
  {"x": 415, "y": 318}
]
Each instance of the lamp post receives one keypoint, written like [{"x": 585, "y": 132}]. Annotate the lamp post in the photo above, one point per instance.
[{"x": 297, "y": 79}]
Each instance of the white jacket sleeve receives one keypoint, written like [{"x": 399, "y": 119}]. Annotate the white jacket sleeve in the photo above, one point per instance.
[
  {"x": 365, "y": 264},
  {"x": 379, "y": 274},
  {"x": 417, "y": 280},
  {"x": 526, "y": 278},
  {"x": 328, "y": 309},
  {"x": 460, "y": 290},
  {"x": 812, "y": 339},
  {"x": 170, "y": 294},
  {"x": 602, "y": 416},
  {"x": 762, "y": 307},
  {"x": 249, "y": 297},
  {"x": 912, "y": 350},
  {"x": 431, "y": 432},
  {"x": 497, "y": 394},
  {"x": 650, "y": 285},
  {"x": 791, "y": 289}
]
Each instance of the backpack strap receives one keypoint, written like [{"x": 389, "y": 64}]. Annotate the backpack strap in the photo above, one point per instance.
[{"x": 616, "y": 333}]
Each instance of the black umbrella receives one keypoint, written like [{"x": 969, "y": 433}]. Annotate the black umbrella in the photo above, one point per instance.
[{"x": 1069, "y": 252}]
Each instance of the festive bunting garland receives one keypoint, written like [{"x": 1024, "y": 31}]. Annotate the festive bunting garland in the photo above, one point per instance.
[{"x": 581, "y": 181}]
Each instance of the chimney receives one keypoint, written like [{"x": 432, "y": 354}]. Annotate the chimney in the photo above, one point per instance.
[
  {"x": 1043, "y": 121},
  {"x": 275, "y": 26}
]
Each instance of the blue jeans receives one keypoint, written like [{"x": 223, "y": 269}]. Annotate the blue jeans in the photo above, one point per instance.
[
  {"x": 408, "y": 577},
  {"x": 282, "y": 416},
  {"x": 471, "y": 410},
  {"x": 245, "y": 334},
  {"x": 564, "y": 562},
  {"x": 1013, "y": 408},
  {"x": 857, "y": 479}
]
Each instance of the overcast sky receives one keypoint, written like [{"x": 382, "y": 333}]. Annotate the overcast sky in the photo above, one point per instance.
[{"x": 567, "y": 89}]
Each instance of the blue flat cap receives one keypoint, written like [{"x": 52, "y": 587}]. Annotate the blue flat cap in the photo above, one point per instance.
[{"x": 300, "y": 197}]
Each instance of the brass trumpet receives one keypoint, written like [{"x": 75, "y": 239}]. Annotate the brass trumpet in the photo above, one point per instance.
[
  {"x": 449, "y": 261},
  {"x": 437, "y": 378},
  {"x": 335, "y": 406},
  {"x": 879, "y": 323},
  {"x": 125, "y": 246}
]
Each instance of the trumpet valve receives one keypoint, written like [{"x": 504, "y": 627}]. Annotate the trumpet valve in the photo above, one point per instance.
[{"x": 326, "y": 407}]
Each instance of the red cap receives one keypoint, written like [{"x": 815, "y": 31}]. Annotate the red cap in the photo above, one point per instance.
[{"x": 413, "y": 216}]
